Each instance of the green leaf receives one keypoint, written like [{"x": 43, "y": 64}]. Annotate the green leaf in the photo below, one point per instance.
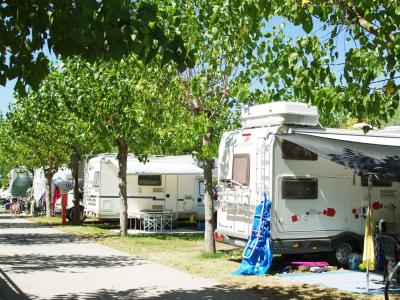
[{"x": 306, "y": 22}]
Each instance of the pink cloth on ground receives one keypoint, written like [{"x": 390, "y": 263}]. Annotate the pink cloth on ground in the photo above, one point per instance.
[{"x": 310, "y": 263}]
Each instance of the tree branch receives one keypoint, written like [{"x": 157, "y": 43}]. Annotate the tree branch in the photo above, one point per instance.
[{"x": 358, "y": 16}]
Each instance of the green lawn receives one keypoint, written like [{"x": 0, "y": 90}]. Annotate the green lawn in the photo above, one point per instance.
[{"x": 185, "y": 252}]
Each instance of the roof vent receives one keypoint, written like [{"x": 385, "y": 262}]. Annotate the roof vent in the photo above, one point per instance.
[{"x": 279, "y": 113}]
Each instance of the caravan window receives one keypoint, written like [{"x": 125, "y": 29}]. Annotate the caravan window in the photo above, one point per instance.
[
  {"x": 299, "y": 188},
  {"x": 241, "y": 168},
  {"x": 96, "y": 179},
  {"x": 293, "y": 151},
  {"x": 149, "y": 180},
  {"x": 381, "y": 181},
  {"x": 201, "y": 188}
]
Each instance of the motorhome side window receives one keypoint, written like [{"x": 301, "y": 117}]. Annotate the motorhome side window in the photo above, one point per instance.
[
  {"x": 299, "y": 188},
  {"x": 149, "y": 180},
  {"x": 241, "y": 168},
  {"x": 295, "y": 152},
  {"x": 382, "y": 181},
  {"x": 96, "y": 179}
]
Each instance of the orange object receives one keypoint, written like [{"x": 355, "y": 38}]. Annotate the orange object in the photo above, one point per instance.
[{"x": 64, "y": 203}]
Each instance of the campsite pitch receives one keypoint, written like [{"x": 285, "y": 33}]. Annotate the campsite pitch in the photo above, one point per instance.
[{"x": 185, "y": 252}]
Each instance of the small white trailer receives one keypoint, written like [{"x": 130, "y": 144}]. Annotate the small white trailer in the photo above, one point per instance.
[
  {"x": 165, "y": 184},
  {"x": 317, "y": 205}
]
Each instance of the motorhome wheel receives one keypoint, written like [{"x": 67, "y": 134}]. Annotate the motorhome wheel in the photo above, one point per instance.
[
  {"x": 342, "y": 253},
  {"x": 72, "y": 214}
]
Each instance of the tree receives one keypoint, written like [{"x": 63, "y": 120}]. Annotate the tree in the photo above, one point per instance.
[
  {"x": 11, "y": 152},
  {"x": 306, "y": 68},
  {"x": 93, "y": 29},
  {"x": 221, "y": 34},
  {"x": 37, "y": 142},
  {"x": 122, "y": 105},
  {"x": 73, "y": 136}
]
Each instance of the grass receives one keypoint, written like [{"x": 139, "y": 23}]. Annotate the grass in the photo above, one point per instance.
[{"x": 186, "y": 252}]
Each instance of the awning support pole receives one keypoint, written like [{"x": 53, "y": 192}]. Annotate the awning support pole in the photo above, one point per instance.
[{"x": 367, "y": 220}]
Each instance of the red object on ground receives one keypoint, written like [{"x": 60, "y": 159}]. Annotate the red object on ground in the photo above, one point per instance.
[
  {"x": 57, "y": 194},
  {"x": 64, "y": 203},
  {"x": 294, "y": 218},
  {"x": 310, "y": 263}
]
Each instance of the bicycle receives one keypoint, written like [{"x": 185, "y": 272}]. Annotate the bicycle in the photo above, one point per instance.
[{"x": 389, "y": 279}]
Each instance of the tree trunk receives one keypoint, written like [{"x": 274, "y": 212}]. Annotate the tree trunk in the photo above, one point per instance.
[
  {"x": 122, "y": 162},
  {"x": 75, "y": 186},
  {"x": 49, "y": 176},
  {"x": 208, "y": 201}
]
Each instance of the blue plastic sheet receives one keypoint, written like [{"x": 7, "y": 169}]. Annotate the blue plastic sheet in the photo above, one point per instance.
[{"x": 257, "y": 255}]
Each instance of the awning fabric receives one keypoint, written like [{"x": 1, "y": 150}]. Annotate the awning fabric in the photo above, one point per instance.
[{"x": 377, "y": 152}]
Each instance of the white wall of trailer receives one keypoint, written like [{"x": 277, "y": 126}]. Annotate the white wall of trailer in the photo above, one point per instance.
[{"x": 174, "y": 192}]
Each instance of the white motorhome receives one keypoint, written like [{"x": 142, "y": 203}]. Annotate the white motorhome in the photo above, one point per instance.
[
  {"x": 164, "y": 184},
  {"x": 317, "y": 205}
]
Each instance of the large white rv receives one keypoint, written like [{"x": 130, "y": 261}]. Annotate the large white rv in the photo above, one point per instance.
[
  {"x": 164, "y": 184},
  {"x": 317, "y": 205}
]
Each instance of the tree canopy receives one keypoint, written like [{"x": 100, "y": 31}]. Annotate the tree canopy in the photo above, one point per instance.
[
  {"x": 303, "y": 68},
  {"x": 93, "y": 29}
]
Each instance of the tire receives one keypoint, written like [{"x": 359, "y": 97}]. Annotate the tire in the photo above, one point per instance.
[
  {"x": 68, "y": 215},
  {"x": 71, "y": 214},
  {"x": 341, "y": 254}
]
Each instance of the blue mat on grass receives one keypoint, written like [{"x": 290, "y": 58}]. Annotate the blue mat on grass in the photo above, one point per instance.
[{"x": 349, "y": 281}]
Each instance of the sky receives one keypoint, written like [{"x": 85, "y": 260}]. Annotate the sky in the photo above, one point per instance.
[
  {"x": 7, "y": 91},
  {"x": 6, "y": 95}
]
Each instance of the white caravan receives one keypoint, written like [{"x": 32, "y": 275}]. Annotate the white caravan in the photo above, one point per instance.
[
  {"x": 317, "y": 205},
  {"x": 164, "y": 184}
]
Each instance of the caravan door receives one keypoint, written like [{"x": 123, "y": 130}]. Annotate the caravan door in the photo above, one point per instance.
[
  {"x": 186, "y": 192},
  {"x": 171, "y": 192}
]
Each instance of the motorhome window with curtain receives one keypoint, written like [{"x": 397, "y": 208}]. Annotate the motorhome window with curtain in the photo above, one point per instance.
[
  {"x": 241, "y": 168},
  {"x": 295, "y": 152},
  {"x": 299, "y": 188},
  {"x": 149, "y": 180}
]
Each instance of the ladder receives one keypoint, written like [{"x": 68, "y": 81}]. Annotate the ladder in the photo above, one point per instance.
[{"x": 262, "y": 166}]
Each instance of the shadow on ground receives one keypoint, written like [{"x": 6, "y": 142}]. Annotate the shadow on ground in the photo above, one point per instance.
[
  {"x": 4, "y": 225},
  {"x": 59, "y": 263},
  {"x": 37, "y": 239},
  {"x": 220, "y": 292}
]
